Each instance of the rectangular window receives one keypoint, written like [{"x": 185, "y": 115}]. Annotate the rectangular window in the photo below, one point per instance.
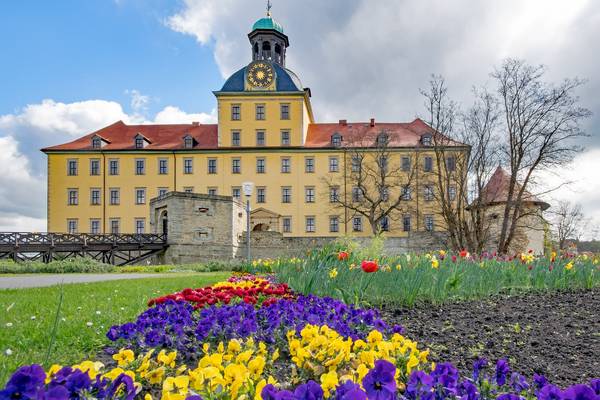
[
  {"x": 382, "y": 162},
  {"x": 235, "y": 138},
  {"x": 334, "y": 164},
  {"x": 452, "y": 193},
  {"x": 113, "y": 167},
  {"x": 285, "y": 111},
  {"x": 236, "y": 192},
  {"x": 451, "y": 164},
  {"x": 162, "y": 191},
  {"x": 286, "y": 224},
  {"x": 406, "y": 223},
  {"x": 260, "y": 138},
  {"x": 428, "y": 164},
  {"x": 236, "y": 112},
  {"x": 115, "y": 226},
  {"x": 261, "y": 195},
  {"x": 334, "y": 224},
  {"x": 309, "y": 165},
  {"x": 260, "y": 165},
  {"x": 429, "y": 223},
  {"x": 188, "y": 166},
  {"x": 163, "y": 166},
  {"x": 285, "y": 138},
  {"x": 72, "y": 226},
  {"x": 357, "y": 224},
  {"x": 236, "y": 166},
  {"x": 140, "y": 196},
  {"x": 95, "y": 226},
  {"x": 384, "y": 193},
  {"x": 212, "y": 191},
  {"x": 188, "y": 142},
  {"x": 286, "y": 194},
  {"x": 384, "y": 224},
  {"x": 309, "y": 194},
  {"x": 140, "y": 166},
  {"x": 286, "y": 165},
  {"x": 334, "y": 194},
  {"x": 212, "y": 165},
  {"x": 356, "y": 194},
  {"x": 260, "y": 112},
  {"x": 405, "y": 164},
  {"x": 94, "y": 167},
  {"x": 73, "y": 195},
  {"x": 188, "y": 189},
  {"x": 72, "y": 167},
  {"x": 406, "y": 193},
  {"x": 310, "y": 224},
  {"x": 140, "y": 226},
  {"x": 115, "y": 197},
  {"x": 356, "y": 163},
  {"x": 428, "y": 193},
  {"x": 95, "y": 197}
]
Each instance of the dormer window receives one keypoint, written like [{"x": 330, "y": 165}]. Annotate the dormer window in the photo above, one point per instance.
[
  {"x": 336, "y": 140},
  {"x": 382, "y": 139},
  {"x": 98, "y": 142},
  {"x": 188, "y": 142},
  {"x": 140, "y": 141},
  {"x": 426, "y": 139}
]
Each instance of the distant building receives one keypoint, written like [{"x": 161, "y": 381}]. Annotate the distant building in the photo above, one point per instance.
[{"x": 531, "y": 227}]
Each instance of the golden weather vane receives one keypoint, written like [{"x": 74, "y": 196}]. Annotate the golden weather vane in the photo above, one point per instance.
[{"x": 269, "y": 6}]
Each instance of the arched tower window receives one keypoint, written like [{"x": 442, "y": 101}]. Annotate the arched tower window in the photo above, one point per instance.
[
  {"x": 266, "y": 50},
  {"x": 255, "y": 52},
  {"x": 278, "y": 52}
]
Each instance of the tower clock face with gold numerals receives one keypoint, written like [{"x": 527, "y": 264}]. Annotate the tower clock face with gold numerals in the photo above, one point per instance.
[{"x": 260, "y": 74}]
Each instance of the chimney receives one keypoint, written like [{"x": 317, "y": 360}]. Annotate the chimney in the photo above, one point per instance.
[
  {"x": 195, "y": 123},
  {"x": 343, "y": 122},
  {"x": 372, "y": 122}
]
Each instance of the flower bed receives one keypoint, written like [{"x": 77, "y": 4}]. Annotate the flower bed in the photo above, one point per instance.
[{"x": 281, "y": 346}]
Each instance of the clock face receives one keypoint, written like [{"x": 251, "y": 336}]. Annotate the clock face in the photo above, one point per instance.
[{"x": 260, "y": 74}]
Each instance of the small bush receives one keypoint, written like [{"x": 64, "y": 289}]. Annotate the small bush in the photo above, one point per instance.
[{"x": 69, "y": 265}]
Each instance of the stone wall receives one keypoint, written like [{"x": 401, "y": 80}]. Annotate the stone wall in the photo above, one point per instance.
[{"x": 273, "y": 244}]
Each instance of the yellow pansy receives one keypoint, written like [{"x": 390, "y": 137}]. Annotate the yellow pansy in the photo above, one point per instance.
[
  {"x": 124, "y": 357},
  {"x": 155, "y": 376},
  {"x": 167, "y": 359}
]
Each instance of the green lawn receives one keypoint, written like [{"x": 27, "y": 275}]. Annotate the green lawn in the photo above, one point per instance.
[{"x": 27, "y": 317}]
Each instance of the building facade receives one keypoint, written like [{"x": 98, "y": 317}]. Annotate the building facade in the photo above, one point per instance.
[{"x": 266, "y": 134}]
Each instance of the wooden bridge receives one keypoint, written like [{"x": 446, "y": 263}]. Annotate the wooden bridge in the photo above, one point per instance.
[{"x": 116, "y": 249}]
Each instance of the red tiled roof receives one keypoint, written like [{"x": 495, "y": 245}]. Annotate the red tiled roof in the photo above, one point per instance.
[
  {"x": 120, "y": 136},
  {"x": 364, "y": 134},
  {"x": 496, "y": 190},
  {"x": 161, "y": 137}
]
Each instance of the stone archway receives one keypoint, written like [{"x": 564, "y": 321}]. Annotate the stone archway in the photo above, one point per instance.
[
  {"x": 262, "y": 227},
  {"x": 164, "y": 222}
]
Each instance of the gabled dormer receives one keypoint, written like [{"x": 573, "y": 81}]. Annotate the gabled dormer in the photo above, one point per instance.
[
  {"x": 140, "y": 141},
  {"x": 427, "y": 139},
  {"x": 98, "y": 142},
  {"x": 382, "y": 139},
  {"x": 189, "y": 142},
  {"x": 336, "y": 139}
]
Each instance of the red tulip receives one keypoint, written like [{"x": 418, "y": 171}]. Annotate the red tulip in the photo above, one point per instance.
[
  {"x": 369, "y": 266},
  {"x": 343, "y": 255},
  {"x": 463, "y": 253},
  {"x": 454, "y": 259}
]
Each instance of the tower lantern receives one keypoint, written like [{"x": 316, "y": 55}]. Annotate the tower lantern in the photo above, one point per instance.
[{"x": 268, "y": 40}]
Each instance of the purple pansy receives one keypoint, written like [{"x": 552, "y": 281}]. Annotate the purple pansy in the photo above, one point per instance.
[{"x": 379, "y": 383}]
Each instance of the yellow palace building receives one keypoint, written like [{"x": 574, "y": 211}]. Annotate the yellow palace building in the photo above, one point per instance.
[{"x": 266, "y": 134}]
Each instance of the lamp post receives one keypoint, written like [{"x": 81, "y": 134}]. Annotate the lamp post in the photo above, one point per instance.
[{"x": 247, "y": 187}]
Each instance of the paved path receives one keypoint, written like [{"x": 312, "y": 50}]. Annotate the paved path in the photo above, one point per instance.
[{"x": 34, "y": 280}]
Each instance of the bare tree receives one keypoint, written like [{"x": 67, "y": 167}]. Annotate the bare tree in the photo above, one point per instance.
[
  {"x": 540, "y": 120},
  {"x": 371, "y": 185},
  {"x": 460, "y": 175},
  {"x": 568, "y": 222}
]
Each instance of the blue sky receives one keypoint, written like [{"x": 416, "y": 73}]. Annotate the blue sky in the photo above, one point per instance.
[{"x": 98, "y": 49}]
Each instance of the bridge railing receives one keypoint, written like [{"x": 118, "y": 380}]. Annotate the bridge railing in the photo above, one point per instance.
[{"x": 53, "y": 239}]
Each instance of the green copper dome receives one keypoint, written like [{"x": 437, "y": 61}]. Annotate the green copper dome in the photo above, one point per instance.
[{"x": 268, "y": 23}]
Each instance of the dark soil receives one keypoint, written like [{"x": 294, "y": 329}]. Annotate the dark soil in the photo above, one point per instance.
[{"x": 556, "y": 334}]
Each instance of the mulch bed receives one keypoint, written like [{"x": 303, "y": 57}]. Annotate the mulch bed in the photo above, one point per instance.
[{"x": 556, "y": 334}]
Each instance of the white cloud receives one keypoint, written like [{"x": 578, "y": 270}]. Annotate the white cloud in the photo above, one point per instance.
[
  {"x": 23, "y": 166},
  {"x": 173, "y": 115},
  {"x": 139, "y": 101}
]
